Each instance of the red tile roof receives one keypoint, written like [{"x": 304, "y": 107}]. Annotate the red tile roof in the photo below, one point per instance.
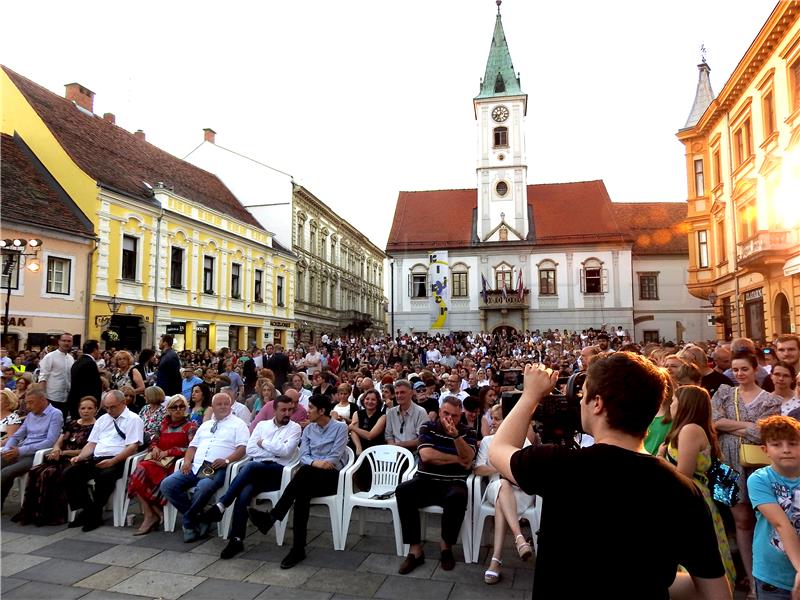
[
  {"x": 656, "y": 227},
  {"x": 563, "y": 213},
  {"x": 32, "y": 196},
  {"x": 119, "y": 161}
]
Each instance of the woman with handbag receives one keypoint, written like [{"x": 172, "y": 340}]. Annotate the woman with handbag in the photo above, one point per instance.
[
  {"x": 735, "y": 412},
  {"x": 691, "y": 445},
  {"x": 170, "y": 444}
]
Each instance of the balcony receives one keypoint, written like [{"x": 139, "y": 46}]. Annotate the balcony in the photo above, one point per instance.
[
  {"x": 355, "y": 320},
  {"x": 495, "y": 300},
  {"x": 766, "y": 248}
]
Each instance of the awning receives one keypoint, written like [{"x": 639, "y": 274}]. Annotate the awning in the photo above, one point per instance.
[{"x": 792, "y": 266}]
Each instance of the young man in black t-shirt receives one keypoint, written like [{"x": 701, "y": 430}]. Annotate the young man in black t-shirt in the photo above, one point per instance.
[{"x": 616, "y": 522}]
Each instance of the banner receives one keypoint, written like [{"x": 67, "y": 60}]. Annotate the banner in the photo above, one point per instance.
[{"x": 439, "y": 278}]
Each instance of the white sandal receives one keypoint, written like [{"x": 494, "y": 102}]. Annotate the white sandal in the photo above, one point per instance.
[
  {"x": 491, "y": 577},
  {"x": 523, "y": 548}
]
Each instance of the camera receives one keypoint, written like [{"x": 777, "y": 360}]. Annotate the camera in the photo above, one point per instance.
[
  {"x": 558, "y": 415},
  {"x": 511, "y": 377}
]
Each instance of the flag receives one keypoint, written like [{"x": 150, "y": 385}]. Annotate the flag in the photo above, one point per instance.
[
  {"x": 520, "y": 288},
  {"x": 484, "y": 293},
  {"x": 505, "y": 290}
]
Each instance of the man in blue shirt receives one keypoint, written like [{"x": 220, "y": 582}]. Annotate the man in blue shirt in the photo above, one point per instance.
[
  {"x": 190, "y": 379},
  {"x": 40, "y": 430},
  {"x": 323, "y": 454}
]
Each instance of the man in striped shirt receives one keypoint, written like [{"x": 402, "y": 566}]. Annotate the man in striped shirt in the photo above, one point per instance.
[{"x": 445, "y": 455}]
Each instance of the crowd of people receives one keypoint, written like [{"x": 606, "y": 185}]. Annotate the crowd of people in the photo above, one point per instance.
[{"x": 653, "y": 418}]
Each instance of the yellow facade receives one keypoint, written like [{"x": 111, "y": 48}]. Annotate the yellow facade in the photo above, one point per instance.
[
  {"x": 156, "y": 297},
  {"x": 743, "y": 173}
]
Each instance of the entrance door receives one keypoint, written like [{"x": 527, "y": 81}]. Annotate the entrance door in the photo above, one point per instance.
[
  {"x": 754, "y": 319},
  {"x": 781, "y": 316},
  {"x": 504, "y": 330},
  {"x": 129, "y": 330}
]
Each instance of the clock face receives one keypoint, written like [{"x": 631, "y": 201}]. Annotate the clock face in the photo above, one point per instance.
[{"x": 500, "y": 114}]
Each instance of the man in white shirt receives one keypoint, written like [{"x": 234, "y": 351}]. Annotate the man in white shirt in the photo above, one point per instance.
[
  {"x": 433, "y": 355},
  {"x": 272, "y": 445},
  {"x": 453, "y": 388},
  {"x": 115, "y": 436},
  {"x": 218, "y": 442},
  {"x": 54, "y": 373},
  {"x": 313, "y": 361},
  {"x": 237, "y": 408},
  {"x": 404, "y": 420}
]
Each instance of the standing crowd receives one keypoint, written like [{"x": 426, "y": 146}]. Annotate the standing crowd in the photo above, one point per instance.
[{"x": 205, "y": 433}]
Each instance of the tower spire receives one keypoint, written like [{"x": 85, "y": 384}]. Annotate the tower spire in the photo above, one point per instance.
[
  {"x": 704, "y": 94},
  {"x": 499, "y": 79}
]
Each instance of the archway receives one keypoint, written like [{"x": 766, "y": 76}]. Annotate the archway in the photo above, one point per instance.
[
  {"x": 780, "y": 315},
  {"x": 504, "y": 330}
]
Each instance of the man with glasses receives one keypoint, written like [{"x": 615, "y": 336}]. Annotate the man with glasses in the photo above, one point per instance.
[
  {"x": 54, "y": 373},
  {"x": 453, "y": 388},
  {"x": 115, "y": 436},
  {"x": 218, "y": 442},
  {"x": 404, "y": 420}
]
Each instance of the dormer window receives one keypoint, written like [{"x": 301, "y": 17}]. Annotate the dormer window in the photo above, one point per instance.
[
  {"x": 501, "y": 137},
  {"x": 499, "y": 84}
]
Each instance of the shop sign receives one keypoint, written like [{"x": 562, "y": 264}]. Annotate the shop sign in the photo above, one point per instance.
[
  {"x": 754, "y": 295},
  {"x": 176, "y": 328},
  {"x": 201, "y": 330},
  {"x": 284, "y": 324},
  {"x": 16, "y": 321}
]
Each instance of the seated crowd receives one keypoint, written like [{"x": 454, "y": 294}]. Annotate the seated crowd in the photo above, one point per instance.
[{"x": 441, "y": 399}]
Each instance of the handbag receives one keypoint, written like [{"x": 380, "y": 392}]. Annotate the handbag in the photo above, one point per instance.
[
  {"x": 723, "y": 482},
  {"x": 165, "y": 461},
  {"x": 750, "y": 455},
  {"x": 206, "y": 470}
]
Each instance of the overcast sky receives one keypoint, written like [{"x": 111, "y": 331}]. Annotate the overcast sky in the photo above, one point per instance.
[{"x": 359, "y": 100}]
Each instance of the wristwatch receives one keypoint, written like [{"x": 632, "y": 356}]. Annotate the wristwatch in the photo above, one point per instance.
[{"x": 227, "y": 461}]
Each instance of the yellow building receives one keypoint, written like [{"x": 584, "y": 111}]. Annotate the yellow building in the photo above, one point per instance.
[
  {"x": 177, "y": 252},
  {"x": 743, "y": 171}
]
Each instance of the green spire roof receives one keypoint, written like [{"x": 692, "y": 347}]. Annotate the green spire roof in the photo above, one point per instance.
[{"x": 499, "y": 79}]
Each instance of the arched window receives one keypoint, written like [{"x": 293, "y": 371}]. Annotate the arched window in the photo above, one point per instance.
[
  {"x": 501, "y": 137},
  {"x": 502, "y": 276},
  {"x": 594, "y": 278},
  {"x": 418, "y": 281},
  {"x": 547, "y": 278},
  {"x": 460, "y": 276}
]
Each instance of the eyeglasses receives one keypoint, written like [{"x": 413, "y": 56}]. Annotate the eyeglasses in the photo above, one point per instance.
[
  {"x": 214, "y": 427},
  {"x": 177, "y": 407}
]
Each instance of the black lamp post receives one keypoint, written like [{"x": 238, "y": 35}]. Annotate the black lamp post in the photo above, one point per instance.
[{"x": 14, "y": 259}]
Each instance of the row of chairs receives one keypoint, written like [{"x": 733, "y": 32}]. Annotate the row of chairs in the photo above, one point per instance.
[{"x": 389, "y": 466}]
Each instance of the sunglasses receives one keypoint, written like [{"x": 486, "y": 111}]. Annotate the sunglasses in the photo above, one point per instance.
[{"x": 177, "y": 407}]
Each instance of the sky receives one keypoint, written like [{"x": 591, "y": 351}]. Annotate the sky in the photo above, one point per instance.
[{"x": 359, "y": 100}]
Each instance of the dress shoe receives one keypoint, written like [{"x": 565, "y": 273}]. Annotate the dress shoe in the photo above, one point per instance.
[
  {"x": 295, "y": 556},
  {"x": 212, "y": 515},
  {"x": 233, "y": 548},
  {"x": 410, "y": 563},
  {"x": 202, "y": 530},
  {"x": 92, "y": 523},
  {"x": 263, "y": 520},
  {"x": 190, "y": 535},
  {"x": 447, "y": 560}
]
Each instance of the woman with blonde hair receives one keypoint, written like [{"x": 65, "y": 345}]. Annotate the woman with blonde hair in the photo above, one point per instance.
[
  {"x": 126, "y": 374},
  {"x": 691, "y": 445},
  {"x": 10, "y": 419},
  {"x": 153, "y": 412},
  {"x": 175, "y": 432},
  {"x": 24, "y": 381}
]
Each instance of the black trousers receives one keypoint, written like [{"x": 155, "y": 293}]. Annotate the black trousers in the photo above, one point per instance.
[
  {"x": 420, "y": 492},
  {"x": 309, "y": 482},
  {"x": 76, "y": 484}
]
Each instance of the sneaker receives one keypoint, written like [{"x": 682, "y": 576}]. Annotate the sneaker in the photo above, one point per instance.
[
  {"x": 190, "y": 535},
  {"x": 410, "y": 563},
  {"x": 295, "y": 556},
  {"x": 263, "y": 520},
  {"x": 233, "y": 548},
  {"x": 447, "y": 560},
  {"x": 212, "y": 515}
]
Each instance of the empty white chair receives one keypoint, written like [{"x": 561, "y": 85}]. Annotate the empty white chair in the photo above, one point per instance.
[
  {"x": 390, "y": 465},
  {"x": 483, "y": 509}
]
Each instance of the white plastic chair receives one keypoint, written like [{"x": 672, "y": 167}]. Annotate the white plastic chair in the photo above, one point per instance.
[
  {"x": 335, "y": 503},
  {"x": 22, "y": 481},
  {"x": 483, "y": 509},
  {"x": 171, "y": 513},
  {"x": 466, "y": 526},
  {"x": 120, "y": 494},
  {"x": 390, "y": 465},
  {"x": 272, "y": 496}
]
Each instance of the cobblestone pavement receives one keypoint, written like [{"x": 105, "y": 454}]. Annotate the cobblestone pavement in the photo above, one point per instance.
[{"x": 54, "y": 563}]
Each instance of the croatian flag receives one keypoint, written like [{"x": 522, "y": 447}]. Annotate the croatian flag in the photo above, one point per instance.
[
  {"x": 520, "y": 288},
  {"x": 484, "y": 293}
]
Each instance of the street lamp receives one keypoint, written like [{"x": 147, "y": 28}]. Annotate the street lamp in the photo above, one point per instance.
[
  {"x": 113, "y": 306},
  {"x": 391, "y": 297},
  {"x": 14, "y": 259}
]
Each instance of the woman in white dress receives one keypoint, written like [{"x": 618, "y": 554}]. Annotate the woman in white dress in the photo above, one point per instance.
[{"x": 509, "y": 502}]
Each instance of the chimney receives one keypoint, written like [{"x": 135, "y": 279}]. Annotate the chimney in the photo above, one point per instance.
[
  {"x": 83, "y": 97},
  {"x": 139, "y": 134},
  {"x": 209, "y": 135},
  {"x": 109, "y": 117}
]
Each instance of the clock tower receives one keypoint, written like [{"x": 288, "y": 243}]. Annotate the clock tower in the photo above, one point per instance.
[{"x": 500, "y": 110}]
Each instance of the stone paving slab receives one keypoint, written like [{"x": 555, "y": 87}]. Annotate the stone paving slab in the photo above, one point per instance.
[
  {"x": 219, "y": 589},
  {"x": 156, "y": 584},
  {"x": 270, "y": 573},
  {"x": 9, "y": 583},
  {"x": 124, "y": 556},
  {"x": 185, "y": 563},
  {"x": 106, "y": 595},
  {"x": 107, "y": 578},
  {"x": 215, "y": 545},
  {"x": 325, "y": 540},
  {"x": 328, "y": 557},
  {"x": 464, "y": 591},
  {"x": 387, "y": 564},
  {"x": 164, "y": 540},
  {"x": 14, "y": 563},
  {"x": 10, "y": 537},
  {"x": 60, "y": 571},
  {"x": 266, "y": 551},
  {"x": 472, "y": 574},
  {"x": 10, "y": 526},
  {"x": 26, "y": 544},
  {"x": 357, "y": 583},
  {"x": 398, "y": 587},
  {"x": 275, "y": 592},
  {"x": 36, "y": 590},
  {"x": 235, "y": 569},
  {"x": 523, "y": 579},
  {"x": 374, "y": 544},
  {"x": 72, "y": 549}
]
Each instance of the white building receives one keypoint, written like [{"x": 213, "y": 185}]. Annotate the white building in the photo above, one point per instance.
[
  {"x": 512, "y": 255},
  {"x": 339, "y": 283}
]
